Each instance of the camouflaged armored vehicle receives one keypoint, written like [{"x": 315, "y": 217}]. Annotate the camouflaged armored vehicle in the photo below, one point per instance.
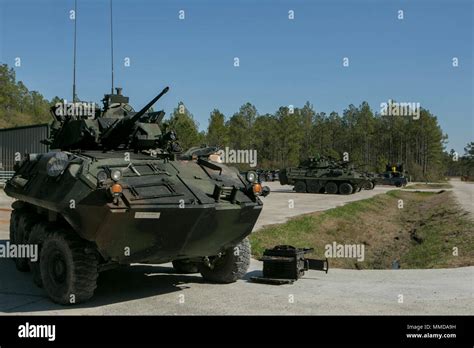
[
  {"x": 371, "y": 181},
  {"x": 324, "y": 175},
  {"x": 394, "y": 175},
  {"x": 115, "y": 190}
]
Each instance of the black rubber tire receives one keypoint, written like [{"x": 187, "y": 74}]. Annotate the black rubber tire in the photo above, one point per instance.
[
  {"x": 313, "y": 186},
  {"x": 282, "y": 177},
  {"x": 15, "y": 216},
  {"x": 331, "y": 188},
  {"x": 345, "y": 188},
  {"x": 14, "y": 219},
  {"x": 37, "y": 236},
  {"x": 368, "y": 185},
  {"x": 185, "y": 266},
  {"x": 398, "y": 184},
  {"x": 300, "y": 187},
  {"x": 26, "y": 221},
  {"x": 230, "y": 267},
  {"x": 68, "y": 272}
]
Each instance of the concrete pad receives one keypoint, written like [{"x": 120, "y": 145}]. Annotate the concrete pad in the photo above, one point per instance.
[
  {"x": 156, "y": 289},
  {"x": 146, "y": 289},
  {"x": 276, "y": 207}
]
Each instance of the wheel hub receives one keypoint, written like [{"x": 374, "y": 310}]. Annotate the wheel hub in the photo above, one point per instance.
[{"x": 58, "y": 269}]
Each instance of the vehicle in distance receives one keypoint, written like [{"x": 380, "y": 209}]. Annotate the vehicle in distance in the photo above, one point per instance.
[
  {"x": 393, "y": 175},
  {"x": 324, "y": 175}
]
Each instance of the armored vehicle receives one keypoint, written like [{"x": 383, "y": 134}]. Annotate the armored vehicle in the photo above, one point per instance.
[
  {"x": 116, "y": 190},
  {"x": 267, "y": 175},
  {"x": 394, "y": 175},
  {"x": 324, "y": 175},
  {"x": 371, "y": 181},
  {"x": 392, "y": 179}
]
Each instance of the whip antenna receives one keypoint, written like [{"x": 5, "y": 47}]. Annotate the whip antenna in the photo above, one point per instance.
[
  {"x": 74, "y": 67},
  {"x": 112, "y": 46}
]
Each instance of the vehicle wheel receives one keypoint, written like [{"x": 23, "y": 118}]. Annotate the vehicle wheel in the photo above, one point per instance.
[
  {"x": 331, "y": 188},
  {"x": 21, "y": 235},
  {"x": 369, "y": 185},
  {"x": 68, "y": 272},
  {"x": 15, "y": 216},
  {"x": 345, "y": 188},
  {"x": 37, "y": 236},
  {"x": 300, "y": 187},
  {"x": 14, "y": 219},
  {"x": 313, "y": 187},
  {"x": 185, "y": 266},
  {"x": 398, "y": 184},
  {"x": 230, "y": 267},
  {"x": 283, "y": 178}
]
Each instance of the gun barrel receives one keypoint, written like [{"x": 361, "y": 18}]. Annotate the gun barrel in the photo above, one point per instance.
[
  {"x": 149, "y": 105},
  {"x": 120, "y": 129}
]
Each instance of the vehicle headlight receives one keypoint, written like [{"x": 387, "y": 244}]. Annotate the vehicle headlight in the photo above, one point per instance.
[
  {"x": 56, "y": 164},
  {"x": 116, "y": 174},
  {"x": 251, "y": 176}
]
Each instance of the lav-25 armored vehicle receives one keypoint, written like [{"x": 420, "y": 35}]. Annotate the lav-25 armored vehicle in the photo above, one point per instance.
[
  {"x": 116, "y": 191},
  {"x": 325, "y": 175}
]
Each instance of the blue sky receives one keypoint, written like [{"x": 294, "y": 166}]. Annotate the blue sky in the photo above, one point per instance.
[{"x": 282, "y": 61}]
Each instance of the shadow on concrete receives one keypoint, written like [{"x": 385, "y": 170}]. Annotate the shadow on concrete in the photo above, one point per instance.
[
  {"x": 252, "y": 274},
  {"x": 114, "y": 286},
  {"x": 139, "y": 281}
]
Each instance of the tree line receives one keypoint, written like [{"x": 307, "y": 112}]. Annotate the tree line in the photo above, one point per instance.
[
  {"x": 370, "y": 140},
  {"x": 18, "y": 105},
  {"x": 288, "y": 135}
]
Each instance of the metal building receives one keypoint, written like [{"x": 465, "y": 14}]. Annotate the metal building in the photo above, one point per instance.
[{"x": 21, "y": 140}]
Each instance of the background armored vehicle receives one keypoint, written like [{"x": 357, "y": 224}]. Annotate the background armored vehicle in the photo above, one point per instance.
[
  {"x": 114, "y": 192},
  {"x": 267, "y": 175},
  {"x": 371, "y": 181},
  {"x": 394, "y": 175},
  {"x": 324, "y": 175}
]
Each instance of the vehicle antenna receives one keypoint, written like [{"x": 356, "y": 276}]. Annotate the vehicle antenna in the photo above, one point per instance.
[
  {"x": 112, "y": 46},
  {"x": 74, "y": 67}
]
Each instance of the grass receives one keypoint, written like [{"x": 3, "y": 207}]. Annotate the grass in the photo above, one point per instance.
[{"x": 421, "y": 234}]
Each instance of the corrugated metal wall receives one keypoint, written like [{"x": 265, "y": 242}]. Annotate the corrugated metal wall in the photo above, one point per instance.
[{"x": 23, "y": 140}]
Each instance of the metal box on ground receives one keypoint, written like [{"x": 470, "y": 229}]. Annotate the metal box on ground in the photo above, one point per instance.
[{"x": 284, "y": 264}]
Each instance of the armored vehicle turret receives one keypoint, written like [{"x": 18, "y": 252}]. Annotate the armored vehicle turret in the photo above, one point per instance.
[
  {"x": 116, "y": 190},
  {"x": 324, "y": 175}
]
